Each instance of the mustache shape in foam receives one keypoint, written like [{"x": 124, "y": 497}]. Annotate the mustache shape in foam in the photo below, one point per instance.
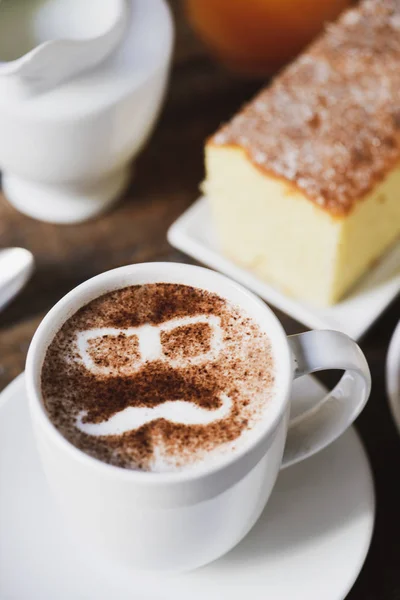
[{"x": 175, "y": 411}]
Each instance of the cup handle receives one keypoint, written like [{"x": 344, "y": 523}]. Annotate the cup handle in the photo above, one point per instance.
[{"x": 324, "y": 422}]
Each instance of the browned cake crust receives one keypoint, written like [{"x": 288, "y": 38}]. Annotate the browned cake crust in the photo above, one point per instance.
[{"x": 330, "y": 122}]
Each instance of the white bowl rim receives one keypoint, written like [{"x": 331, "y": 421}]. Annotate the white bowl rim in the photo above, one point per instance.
[{"x": 393, "y": 376}]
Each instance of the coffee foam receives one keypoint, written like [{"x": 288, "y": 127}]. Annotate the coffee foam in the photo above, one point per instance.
[
  {"x": 149, "y": 347},
  {"x": 158, "y": 377},
  {"x": 134, "y": 417}
]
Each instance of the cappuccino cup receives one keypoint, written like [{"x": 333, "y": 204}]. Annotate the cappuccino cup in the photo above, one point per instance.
[{"x": 218, "y": 468}]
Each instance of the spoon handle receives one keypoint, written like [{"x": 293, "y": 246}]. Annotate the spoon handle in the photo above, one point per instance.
[{"x": 16, "y": 267}]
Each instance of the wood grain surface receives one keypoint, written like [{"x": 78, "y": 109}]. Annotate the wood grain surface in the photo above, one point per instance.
[{"x": 164, "y": 183}]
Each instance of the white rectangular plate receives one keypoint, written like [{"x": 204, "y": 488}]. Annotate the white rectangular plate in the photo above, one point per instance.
[{"x": 193, "y": 234}]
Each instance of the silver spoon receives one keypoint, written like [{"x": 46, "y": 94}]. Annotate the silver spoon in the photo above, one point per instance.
[{"x": 16, "y": 267}]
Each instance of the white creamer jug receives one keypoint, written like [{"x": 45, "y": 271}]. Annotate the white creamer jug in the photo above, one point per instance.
[
  {"x": 44, "y": 42},
  {"x": 66, "y": 144}
]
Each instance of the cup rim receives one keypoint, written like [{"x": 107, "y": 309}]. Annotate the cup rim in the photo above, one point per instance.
[{"x": 97, "y": 286}]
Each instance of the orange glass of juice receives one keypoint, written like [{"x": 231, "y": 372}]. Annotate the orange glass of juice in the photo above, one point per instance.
[{"x": 257, "y": 37}]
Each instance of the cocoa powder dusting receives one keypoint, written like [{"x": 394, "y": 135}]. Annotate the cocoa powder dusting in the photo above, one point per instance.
[{"x": 119, "y": 377}]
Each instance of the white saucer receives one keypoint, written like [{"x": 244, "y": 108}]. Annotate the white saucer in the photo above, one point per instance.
[
  {"x": 192, "y": 233},
  {"x": 393, "y": 375},
  {"x": 310, "y": 543}
]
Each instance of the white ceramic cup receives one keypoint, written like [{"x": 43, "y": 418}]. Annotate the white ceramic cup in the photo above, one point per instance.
[{"x": 181, "y": 520}]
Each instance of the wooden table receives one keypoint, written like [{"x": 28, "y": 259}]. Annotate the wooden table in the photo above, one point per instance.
[{"x": 164, "y": 183}]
